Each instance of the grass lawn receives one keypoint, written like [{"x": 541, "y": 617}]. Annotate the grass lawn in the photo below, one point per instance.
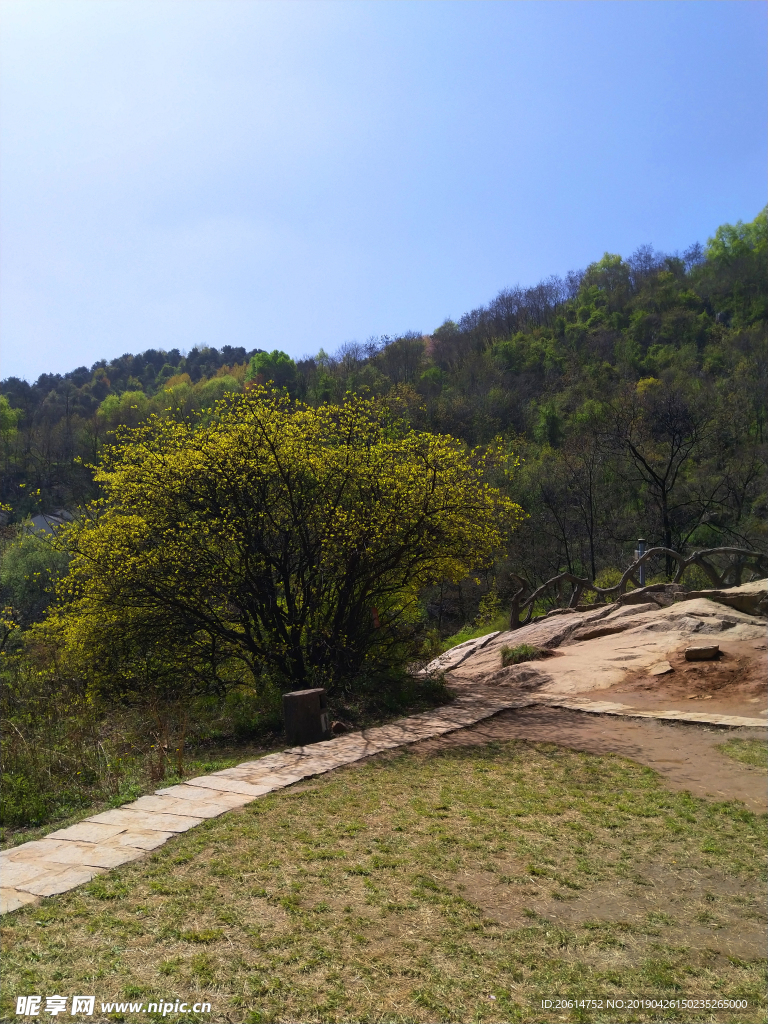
[{"x": 467, "y": 885}]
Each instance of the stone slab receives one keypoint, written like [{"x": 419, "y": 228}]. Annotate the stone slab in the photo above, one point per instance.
[
  {"x": 145, "y": 820},
  {"x": 13, "y": 899},
  {"x": 309, "y": 763},
  {"x": 87, "y": 831},
  {"x": 53, "y": 883},
  {"x": 104, "y": 856},
  {"x": 603, "y": 708},
  {"x": 352, "y": 742},
  {"x": 17, "y": 873},
  {"x": 343, "y": 756},
  {"x": 230, "y": 785},
  {"x": 236, "y": 773},
  {"x": 599, "y": 707},
  {"x": 327, "y": 764},
  {"x": 397, "y": 734},
  {"x": 51, "y": 852},
  {"x": 701, "y": 653},
  {"x": 279, "y": 781},
  {"x": 34, "y": 850},
  {"x": 202, "y": 808},
  {"x": 138, "y": 839},
  {"x": 194, "y": 794},
  {"x": 251, "y": 774},
  {"x": 268, "y": 762},
  {"x": 268, "y": 778},
  {"x": 65, "y": 851}
]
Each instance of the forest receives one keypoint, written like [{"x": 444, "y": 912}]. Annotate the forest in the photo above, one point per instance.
[{"x": 633, "y": 395}]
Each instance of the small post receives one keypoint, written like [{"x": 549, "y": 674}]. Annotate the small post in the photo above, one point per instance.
[
  {"x": 640, "y": 553},
  {"x": 514, "y": 617},
  {"x": 305, "y": 713}
]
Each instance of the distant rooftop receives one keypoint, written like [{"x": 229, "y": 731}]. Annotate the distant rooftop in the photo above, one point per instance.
[{"x": 48, "y": 522}]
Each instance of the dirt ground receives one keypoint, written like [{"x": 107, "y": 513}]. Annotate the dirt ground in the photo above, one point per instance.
[
  {"x": 684, "y": 754},
  {"x": 735, "y": 684},
  {"x": 656, "y": 891}
]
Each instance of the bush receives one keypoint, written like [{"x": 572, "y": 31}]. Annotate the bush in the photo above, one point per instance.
[{"x": 610, "y": 578}]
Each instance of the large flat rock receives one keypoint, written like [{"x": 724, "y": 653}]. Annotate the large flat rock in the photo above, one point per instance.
[{"x": 593, "y": 650}]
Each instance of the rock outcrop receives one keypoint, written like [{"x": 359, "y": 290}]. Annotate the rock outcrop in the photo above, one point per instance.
[
  {"x": 594, "y": 649},
  {"x": 751, "y": 598}
]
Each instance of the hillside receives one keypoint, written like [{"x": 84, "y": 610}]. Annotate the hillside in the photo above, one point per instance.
[{"x": 634, "y": 393}]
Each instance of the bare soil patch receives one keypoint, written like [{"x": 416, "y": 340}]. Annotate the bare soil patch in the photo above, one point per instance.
[
  {"x": 735, "y": 684},
  {"x": 684, "y": 755},
  {"x": 651, "y": 900}
]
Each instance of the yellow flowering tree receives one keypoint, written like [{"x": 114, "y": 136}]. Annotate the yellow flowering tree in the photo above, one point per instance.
[{"x": 283, "y": 540}]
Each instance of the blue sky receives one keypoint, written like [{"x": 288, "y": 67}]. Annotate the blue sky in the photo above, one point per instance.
[{"x": 296, "y": 175}]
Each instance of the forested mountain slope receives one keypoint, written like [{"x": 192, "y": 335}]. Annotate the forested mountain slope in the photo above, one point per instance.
[{"x": 634, "y": 393}]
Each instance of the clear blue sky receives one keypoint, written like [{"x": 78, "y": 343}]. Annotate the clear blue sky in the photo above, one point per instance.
[{"x": 295, "y": 175}]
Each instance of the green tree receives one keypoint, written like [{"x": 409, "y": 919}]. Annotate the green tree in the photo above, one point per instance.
[
  {"x": 29, "y": 571},
  {"x": 734, "y": 276},
  {"x": 129, "y": 409},
  {"x": 732, "y": 241},
  {"x": 9, "y": 419},
  {"x": 664, "y": 427},
  {"x": 272, "y": 366},
  {"x": 612, "y": 276},
  {"x": 286, "y": 540}
]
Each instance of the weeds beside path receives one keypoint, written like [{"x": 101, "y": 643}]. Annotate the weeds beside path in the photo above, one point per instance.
[
  {"x": 61, "y": 762},
  {"x": 465, "y": 885}
]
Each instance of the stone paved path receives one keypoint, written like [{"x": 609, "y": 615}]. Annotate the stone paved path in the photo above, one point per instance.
[
  {"x": 72, "y": 856},
  {"x": 604, "y": 707}
]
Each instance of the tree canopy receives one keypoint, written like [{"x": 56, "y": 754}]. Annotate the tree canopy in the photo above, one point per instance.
[
  {"x": 275, "y": 366},
  {"x": 288, "y": 541}
]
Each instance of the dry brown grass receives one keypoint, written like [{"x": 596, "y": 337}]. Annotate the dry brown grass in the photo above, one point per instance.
[{"x": 461, "y": 886}]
